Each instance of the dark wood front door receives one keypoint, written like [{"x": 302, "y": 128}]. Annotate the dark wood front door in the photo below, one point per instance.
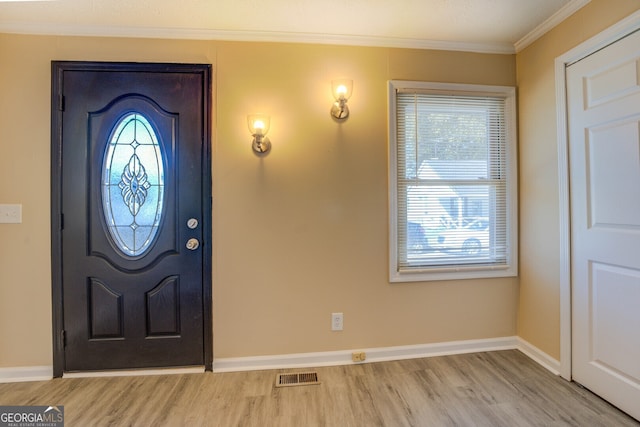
[{"x": 131, "y": 216}]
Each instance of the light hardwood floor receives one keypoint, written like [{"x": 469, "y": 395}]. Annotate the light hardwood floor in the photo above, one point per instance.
[{"x": 503, "y": 388}]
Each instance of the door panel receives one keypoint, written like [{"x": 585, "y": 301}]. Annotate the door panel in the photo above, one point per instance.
[
  {"x": 613, "y": 194},
  {"x": 133, "y": 168},
  {"x": 614, "y": 297},
  {"x": 603, "y": 92}
]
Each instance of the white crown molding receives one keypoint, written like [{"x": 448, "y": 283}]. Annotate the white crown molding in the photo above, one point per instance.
[
  {"x": 250, "y": 36},
  {"x": 289, "y": 37},
  {"x": 550, "y": 23}
]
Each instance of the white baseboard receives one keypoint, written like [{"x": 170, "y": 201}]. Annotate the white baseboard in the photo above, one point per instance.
[
  {"x": 539, "y": 356},
  {"x": 335, "y": 358},
  {"x": 26, "y": 373},
  {"x": 309, "y": 360}
]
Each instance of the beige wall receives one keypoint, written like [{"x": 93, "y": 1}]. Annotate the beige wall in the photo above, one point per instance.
[
  {"x": 303, "y": 232},
  {"x": 298, "y": 234},
  {"x": 539, "y": 306}
]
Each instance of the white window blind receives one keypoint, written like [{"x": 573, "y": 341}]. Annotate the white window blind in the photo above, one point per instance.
[{"x": 453, "y": 203}]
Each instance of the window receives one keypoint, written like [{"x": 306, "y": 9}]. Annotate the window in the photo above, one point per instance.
[
  {"x": 133, "y": 185},
  {"x": 452, "y": 181}
]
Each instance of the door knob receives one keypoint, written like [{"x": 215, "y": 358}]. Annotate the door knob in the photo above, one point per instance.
[{"x": 192, "y": 244}]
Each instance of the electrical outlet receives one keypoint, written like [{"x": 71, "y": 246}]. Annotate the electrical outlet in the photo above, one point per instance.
[
  {"x": 337, "y": 321},
  {"x": 358, "y": 356}
]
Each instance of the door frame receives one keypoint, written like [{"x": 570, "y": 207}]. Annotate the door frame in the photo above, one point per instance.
[
  {"x": 57, "y": 105},
  {"x": 605, "y": 38}
]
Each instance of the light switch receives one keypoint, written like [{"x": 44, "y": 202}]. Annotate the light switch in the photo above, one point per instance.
[{"x": 11, "y": 214}]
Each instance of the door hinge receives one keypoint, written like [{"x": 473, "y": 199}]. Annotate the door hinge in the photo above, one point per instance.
[
  {"x": 61, "y": 100},
  {"x": 61, "y": 221},
  {"x": 63, "y": 338}
]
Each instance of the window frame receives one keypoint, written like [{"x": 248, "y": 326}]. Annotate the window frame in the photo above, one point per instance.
[{"x": 462, "y": 270}]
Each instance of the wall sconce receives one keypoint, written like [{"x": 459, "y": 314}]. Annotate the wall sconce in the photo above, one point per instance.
[
  {"x": 342, "y": 90},
  {"x": 259, "y": 126}
]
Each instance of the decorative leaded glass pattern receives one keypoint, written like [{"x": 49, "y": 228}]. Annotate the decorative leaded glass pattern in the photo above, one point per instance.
[{"x": 133, "y": 184}]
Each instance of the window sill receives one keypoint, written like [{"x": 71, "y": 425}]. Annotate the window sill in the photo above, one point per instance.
[{"x": 451, "y": 273}]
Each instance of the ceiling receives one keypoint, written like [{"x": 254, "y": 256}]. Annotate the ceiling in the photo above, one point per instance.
[{"x": 497, "y": 26}]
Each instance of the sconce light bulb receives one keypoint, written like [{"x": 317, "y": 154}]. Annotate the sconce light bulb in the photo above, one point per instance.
[
  {"x": 341, "y": 92},
  {"x": 258, "y": 125}
]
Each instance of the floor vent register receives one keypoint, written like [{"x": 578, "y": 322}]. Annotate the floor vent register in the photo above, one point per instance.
[{"x": 299, "y": 378}]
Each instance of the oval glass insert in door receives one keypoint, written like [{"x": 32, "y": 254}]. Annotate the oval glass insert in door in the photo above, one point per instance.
[{"x": 133, "y": 185}]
